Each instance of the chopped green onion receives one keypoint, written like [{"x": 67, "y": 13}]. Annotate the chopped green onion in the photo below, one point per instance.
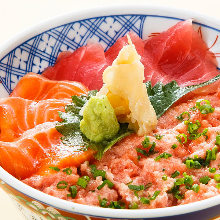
[
  {"x": 68, "y": 171},
  {"x": 163, "y": 155},
  {"x": 144, "y": 152},
  {"x": 108, "y": 182},
  {"x": 204, "y": 106},
  {"x": 181, "y": 117},
  {"x": 103, "y": 202},
  {"x": 148, "y": 185},
  {"x": 192, "y": 164},
  {"x": 158, "y": 137},
  {"x": 188, "y": 180},
  {"x": 174, "y": 146},
  {"x": 62, "y": 185},
  {"x": 204, "y": 180},
  {"x": 116, "y": 205},
  {"x": 195, "y": 188},
  {"x": 208, "y": 156},
  {"x": 212, "y": 170},
  {"x": 214, "y": 152},
  {"x": 55, "y": 168},
  {"x": 175, "y": 174},
  {"x": 136, "y": 187},
  {"x": 176, "y": 192},
  {"x": 73, "y": 191},
  {"x": 218, "y": 185},
  {"x": 217, "y": 178},
  {"x": 83, "y": 181},
  {"x": 164, "y": 177},
  {"x": 145, "y": 200},
  {"x": 182, "y": 138},
  {"x": 204, "y": 133},
  {"x": 97, "y": 172},
  {"x": 133, "y": 205},
  {"x": 146, "y": 142},
  {"x": 156, "y": 193},
  {"x": 193, "y": 130},
  {"x": 217, "y": 142},
  {"x": 179, "y": 182}
]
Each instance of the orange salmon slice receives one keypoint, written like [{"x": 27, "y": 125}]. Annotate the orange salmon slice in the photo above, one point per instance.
[
  {"x": 19, "y": 115},
  {"x": 36, "y": 87},
  {"x": 38, "y": 149}
]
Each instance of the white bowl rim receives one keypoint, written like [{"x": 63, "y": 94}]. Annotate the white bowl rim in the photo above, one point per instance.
[{"x": 144, "y": 9}]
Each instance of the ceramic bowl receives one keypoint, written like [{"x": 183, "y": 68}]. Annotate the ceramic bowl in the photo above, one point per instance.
[{"x": 38, "y": 48}]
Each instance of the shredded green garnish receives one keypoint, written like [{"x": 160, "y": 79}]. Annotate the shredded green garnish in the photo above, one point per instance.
[
  {"x": 185, "y": 116},
  {"x": 204, "y": 180},
  {"x": 68, "y": 171},
  {"x": 83, "y": 181},
  {"x": 136, "y": 187},
  {"x": 175, "y": 174},
  {"x": 151, "y": 151},
  {"x": 55, "y": 168},
  {"x": 182, "y": 138},
  {"x": 212, "y": 170},
  {"x": 164, "y": 177},
  {"x": 193, "y": 129},
  {"x": 196, "y": 188},
  {"x": 73, "y": 191},
  {"x": 158, "y": 137},
  {"x": 133, "y": 205},
  {"x": 163, "y": 155},
  {"x": 146, "y": 142},
  {"x": 217, "y": 142},
  {"x": 108, "y": 182},
  {"x": 116, "y": 205},
  {"x": 174, "y": 146},
  {"x": 156, "y": 193},
  {"x": 103, "y": 202},
  {"x": 145, "y": 200},
  {"x": 204, "y": 106},
  {"x": 62, "y": 185},
  {"x": 95, "y": 172},
  {"x": 188, "y": 180},
  {"x": 217, "y": 178}
]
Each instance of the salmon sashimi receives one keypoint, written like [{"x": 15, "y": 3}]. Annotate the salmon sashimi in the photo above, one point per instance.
[
  {"x": 36, "y": 87},
  {"x": 19, "y": 115},
  {"x": 38, "y": 149}
]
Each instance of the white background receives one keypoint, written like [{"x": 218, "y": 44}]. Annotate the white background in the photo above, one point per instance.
[{"x": 18, "y": 15}]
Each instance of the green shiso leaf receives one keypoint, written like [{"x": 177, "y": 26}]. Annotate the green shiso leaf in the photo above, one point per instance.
[
  {"x": 162, "y": 97},
  {"x": 69, "y": 127}
]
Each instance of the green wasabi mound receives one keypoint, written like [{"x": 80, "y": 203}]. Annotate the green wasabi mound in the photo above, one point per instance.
[{"x": 99, "y": 121}]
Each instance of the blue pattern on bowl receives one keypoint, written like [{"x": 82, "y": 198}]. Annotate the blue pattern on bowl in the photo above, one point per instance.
[{"x": 41, "y": 51}]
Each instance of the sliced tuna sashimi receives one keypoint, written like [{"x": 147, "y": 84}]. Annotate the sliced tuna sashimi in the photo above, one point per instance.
[
  {"x": 178, "y": 54},
  {"x": 84, "y": 65},
  {"x": 35, "y": 87},
  {"x": 113, "y": 51},
  {"x": 38, "y": 149},
  {"x": 19, "y": 115}
]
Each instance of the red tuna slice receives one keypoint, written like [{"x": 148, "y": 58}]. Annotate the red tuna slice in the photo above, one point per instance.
[
  {"x": 178, "y": 54},
  {"x": 113, "y": 51},
  {"x": 85, "y": 65},
  {"x": 91, "y": 67}
]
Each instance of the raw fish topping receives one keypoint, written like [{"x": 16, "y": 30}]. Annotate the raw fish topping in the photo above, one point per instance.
[{"x": 148, "y": 137}]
